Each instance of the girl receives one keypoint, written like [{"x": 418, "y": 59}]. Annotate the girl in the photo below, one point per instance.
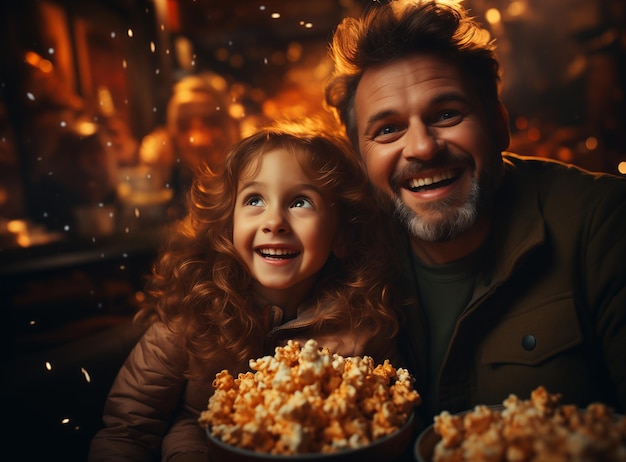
[{"x": 285, "y": 243}]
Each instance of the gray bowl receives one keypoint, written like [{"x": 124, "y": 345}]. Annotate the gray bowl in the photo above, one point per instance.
[{"x": 386, "y": 448}]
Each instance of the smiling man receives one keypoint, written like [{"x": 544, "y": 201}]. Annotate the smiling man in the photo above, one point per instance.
[{"x": 516, "y": 262}]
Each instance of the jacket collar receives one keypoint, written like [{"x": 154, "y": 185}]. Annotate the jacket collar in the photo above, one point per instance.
[{"x": 518, "y": 225}]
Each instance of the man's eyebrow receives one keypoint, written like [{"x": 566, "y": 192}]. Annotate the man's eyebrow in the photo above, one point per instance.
[
  {"x": 378, "y": 116},
  {"x": 450, "y": 96}
]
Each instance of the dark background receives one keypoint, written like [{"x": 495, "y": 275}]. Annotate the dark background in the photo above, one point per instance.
[{"x": 67, "y": 297}]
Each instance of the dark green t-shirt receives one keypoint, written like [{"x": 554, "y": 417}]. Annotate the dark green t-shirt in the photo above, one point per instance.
[{"x": 444, "y": 292}]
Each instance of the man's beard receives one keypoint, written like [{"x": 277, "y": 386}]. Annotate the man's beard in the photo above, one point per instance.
[{"x": 452, "y": 219}]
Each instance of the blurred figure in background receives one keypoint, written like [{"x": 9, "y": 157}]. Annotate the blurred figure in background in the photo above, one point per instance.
[{"x": 199, "y": 130}]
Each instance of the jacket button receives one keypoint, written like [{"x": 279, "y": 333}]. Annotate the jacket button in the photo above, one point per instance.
[{"x": 529, "y": 342}]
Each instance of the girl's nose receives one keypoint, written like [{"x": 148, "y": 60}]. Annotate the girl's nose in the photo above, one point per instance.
[{"x": 275, "y": 223}]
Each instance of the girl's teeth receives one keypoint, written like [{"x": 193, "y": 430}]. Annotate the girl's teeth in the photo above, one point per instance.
[{"x": 276, "y": 252}]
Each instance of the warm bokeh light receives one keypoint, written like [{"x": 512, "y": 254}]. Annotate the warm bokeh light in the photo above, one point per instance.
[
  {"x": 492, "y": 15},
  {"x": 565, "y": 154},
  {"x": 521, "y": 123},
  {"x": 534, "y": 134},
  {"x": 517, "y": 8},
  {"x": 591, "y": 143},
  {"x": 17, "y": 226},
  {"x": 236, "y": 111},
  {"x": 39, "y": 62}
]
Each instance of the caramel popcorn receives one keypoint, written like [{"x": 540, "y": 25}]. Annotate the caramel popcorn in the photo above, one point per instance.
[
  {"x": 538, "y": 429},
  {"x": 305, "y": 400}
]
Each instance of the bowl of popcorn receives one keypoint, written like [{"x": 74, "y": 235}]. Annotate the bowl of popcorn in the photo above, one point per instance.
[
  {"x": 540, "y": 428},
  {"x": 305, "y": 403}
]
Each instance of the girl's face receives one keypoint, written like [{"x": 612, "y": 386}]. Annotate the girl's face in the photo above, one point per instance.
[{"x": 284, "y": 227}]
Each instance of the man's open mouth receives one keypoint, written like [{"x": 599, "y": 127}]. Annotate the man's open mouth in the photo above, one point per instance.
[{"x": 439, "y": 180}]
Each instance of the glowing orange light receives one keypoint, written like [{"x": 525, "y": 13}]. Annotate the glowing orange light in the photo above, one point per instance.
[
  {"x": 493, "y": 16},
  {"x": 591, "y": 143},
  {"x": 521, "y": 123},
  {"x": 534, "y": 134}
]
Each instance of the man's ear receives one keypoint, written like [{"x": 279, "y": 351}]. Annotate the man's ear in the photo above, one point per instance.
[{"x": 503, "y": 135}]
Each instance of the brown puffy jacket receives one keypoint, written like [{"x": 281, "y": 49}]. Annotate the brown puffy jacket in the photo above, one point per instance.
[{"x": 152, "y": 409}]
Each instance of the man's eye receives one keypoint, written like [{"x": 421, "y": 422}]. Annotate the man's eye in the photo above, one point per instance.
[
  {"x": 387, "y": 130},
  {"x": 302, "y": 202},
  {"x": 449, "y": 116},
  {"x": 254, "y": 201}
]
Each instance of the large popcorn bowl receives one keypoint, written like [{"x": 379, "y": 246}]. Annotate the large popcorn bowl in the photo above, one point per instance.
[
  {"x": 307, "y": 404},
  {"x": 539, "y": 428}
]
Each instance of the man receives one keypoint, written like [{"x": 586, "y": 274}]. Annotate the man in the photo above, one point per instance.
[
  {"x": 517, "y": 264},
  {"x": 199, "y": 130}
]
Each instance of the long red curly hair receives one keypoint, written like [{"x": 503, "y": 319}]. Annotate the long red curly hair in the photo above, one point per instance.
[{"x": 200, "y": 287}]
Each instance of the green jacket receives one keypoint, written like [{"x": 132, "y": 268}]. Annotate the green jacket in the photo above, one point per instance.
[{"x": 551, "y": 308}]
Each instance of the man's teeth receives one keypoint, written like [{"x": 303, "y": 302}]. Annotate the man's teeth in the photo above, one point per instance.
[
  {"x": 278, "y": 252},
  {"x": 427, "y": 181}
]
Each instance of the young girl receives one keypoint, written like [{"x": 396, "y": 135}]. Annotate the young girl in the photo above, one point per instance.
[{"x": 283, "y": 244}]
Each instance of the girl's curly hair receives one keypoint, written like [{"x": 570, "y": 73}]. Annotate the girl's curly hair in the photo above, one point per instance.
[{"x": 200, "y": 287}]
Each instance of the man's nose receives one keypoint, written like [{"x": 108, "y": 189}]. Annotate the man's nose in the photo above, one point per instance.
[{"x": 421, "y": 141}]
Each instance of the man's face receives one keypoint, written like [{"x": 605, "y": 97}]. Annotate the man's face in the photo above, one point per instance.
[
  {"x": 430, "y": 145},
  {"x": 204, "y": 134}
]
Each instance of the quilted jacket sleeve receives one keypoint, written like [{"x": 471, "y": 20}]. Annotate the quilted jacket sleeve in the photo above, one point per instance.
[{"x": 142, "y": 401}]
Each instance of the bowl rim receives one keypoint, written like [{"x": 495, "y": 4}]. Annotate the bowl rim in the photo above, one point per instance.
[{"x": 249, "y": 453}]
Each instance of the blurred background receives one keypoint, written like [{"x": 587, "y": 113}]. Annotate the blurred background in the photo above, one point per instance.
[{"x": 106, "y": 106}]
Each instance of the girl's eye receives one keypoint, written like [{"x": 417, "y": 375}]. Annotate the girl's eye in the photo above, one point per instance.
[
  {"x": 302, "y": 202},
  {"x": 254, "y": 201}
]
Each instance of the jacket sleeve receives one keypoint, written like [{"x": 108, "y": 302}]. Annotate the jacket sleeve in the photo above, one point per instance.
[
  {"x": 186, "y": 440},
  {"x": 605, "y": 273},
  {"x": 142, "y": 401}
]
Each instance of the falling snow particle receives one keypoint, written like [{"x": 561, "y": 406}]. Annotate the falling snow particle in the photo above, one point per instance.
[{"x": 85, "y": 374}]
